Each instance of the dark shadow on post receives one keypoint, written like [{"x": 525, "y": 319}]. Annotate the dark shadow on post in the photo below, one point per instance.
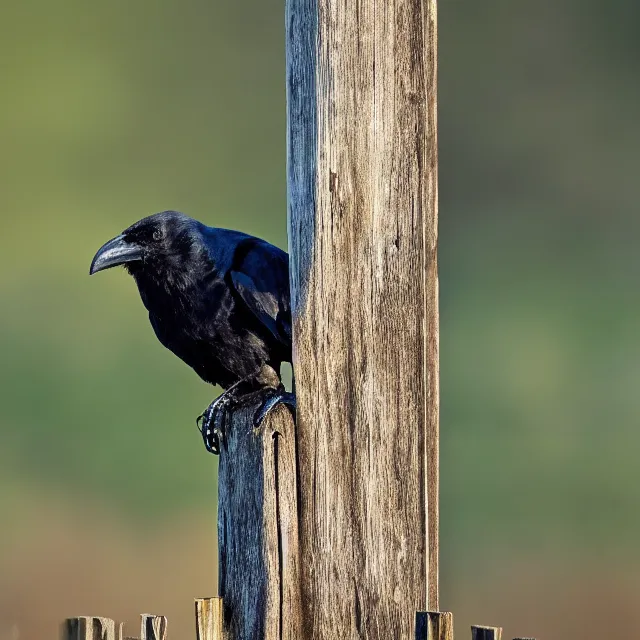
[{"x": 301, "y": 17}]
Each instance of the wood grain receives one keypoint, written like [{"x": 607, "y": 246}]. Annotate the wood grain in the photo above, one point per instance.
[
  {"x": 153, "y": 627},
  {"x": 88, "y": 628},
  {"x": 434, "y": 625},
  {"x": 258, "y": 528},
  {"x": 362, "y": 205},
  {"x": 486, "y": 633},
  {"x": 209, "y": 619}
]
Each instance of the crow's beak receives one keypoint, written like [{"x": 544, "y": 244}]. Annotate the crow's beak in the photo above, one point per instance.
[{"x": 114, "y": 253}]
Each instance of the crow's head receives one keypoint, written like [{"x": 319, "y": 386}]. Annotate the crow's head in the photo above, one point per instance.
[{"x": 158, "y": 242}]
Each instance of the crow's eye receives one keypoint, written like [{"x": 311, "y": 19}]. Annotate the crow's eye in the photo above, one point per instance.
[{"x": 158, "y": 235}]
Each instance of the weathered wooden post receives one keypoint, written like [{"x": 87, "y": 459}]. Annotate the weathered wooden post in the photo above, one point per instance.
[
  {"x": 258, "y": 559},
  {"x": 434, "y": 626},
  {"x": 94, "y": 628},
  {"x": 329, "y": 529},
  {"x": 479, "y": 632},
  {"x": 362, "y": 197}
]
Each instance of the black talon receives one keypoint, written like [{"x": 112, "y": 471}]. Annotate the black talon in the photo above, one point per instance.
[
  {"x": 214, "y": 420},
  {"x": 211, "y": 437},
  {"x": 273, "y": 399}
]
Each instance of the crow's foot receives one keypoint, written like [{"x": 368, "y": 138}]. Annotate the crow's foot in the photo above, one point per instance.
[
  {"x": 272, "y": 398},
  {"x": 212, "y": 422}
]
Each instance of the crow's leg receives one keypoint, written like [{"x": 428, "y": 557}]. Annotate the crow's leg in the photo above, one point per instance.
[
  {"x": 265, "y": 383},
  {"x": 273, "y": 393},
  {"x": 271, "y": 399},
  {"x": 212, "y": 422}
]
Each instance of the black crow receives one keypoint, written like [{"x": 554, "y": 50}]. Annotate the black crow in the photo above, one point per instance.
[{"x": 219, "y": 299}]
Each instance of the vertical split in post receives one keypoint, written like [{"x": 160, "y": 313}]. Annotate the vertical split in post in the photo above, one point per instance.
[
  {"x": 486, "y": 633},
  {"x": 434, "y": 626}
]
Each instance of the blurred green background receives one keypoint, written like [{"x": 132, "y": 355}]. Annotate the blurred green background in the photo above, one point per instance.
[{"x": 113, "y": 111}]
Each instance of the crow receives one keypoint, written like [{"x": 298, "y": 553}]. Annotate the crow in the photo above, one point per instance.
[{"x": 219, "y": 300}]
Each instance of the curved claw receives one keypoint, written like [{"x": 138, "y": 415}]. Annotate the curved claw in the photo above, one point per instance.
[
  {"x": 211, "y": 422},
  {"x": 210, "y": 437},
  {"x": 275, "y": 398}
]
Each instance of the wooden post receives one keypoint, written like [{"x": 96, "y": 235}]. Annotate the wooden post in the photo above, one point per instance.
[
  {"x": 88, "y": 628},
  {"x": 434, "y": 626},
  {"x": 257, "y": 527},
  {"x": 486, "y": 633},
  {"x": 153, "y": 627},
  {"x": 362, "y": 203},
  {"x": 209, "y": 619},
  {"x": 92, "y": 628}
]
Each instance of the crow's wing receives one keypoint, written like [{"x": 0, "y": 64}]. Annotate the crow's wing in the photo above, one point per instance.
[{"x": 260, "y": 276}]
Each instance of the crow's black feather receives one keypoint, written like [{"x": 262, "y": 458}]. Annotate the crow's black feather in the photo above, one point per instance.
[{"x": 217, "y": 298}]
